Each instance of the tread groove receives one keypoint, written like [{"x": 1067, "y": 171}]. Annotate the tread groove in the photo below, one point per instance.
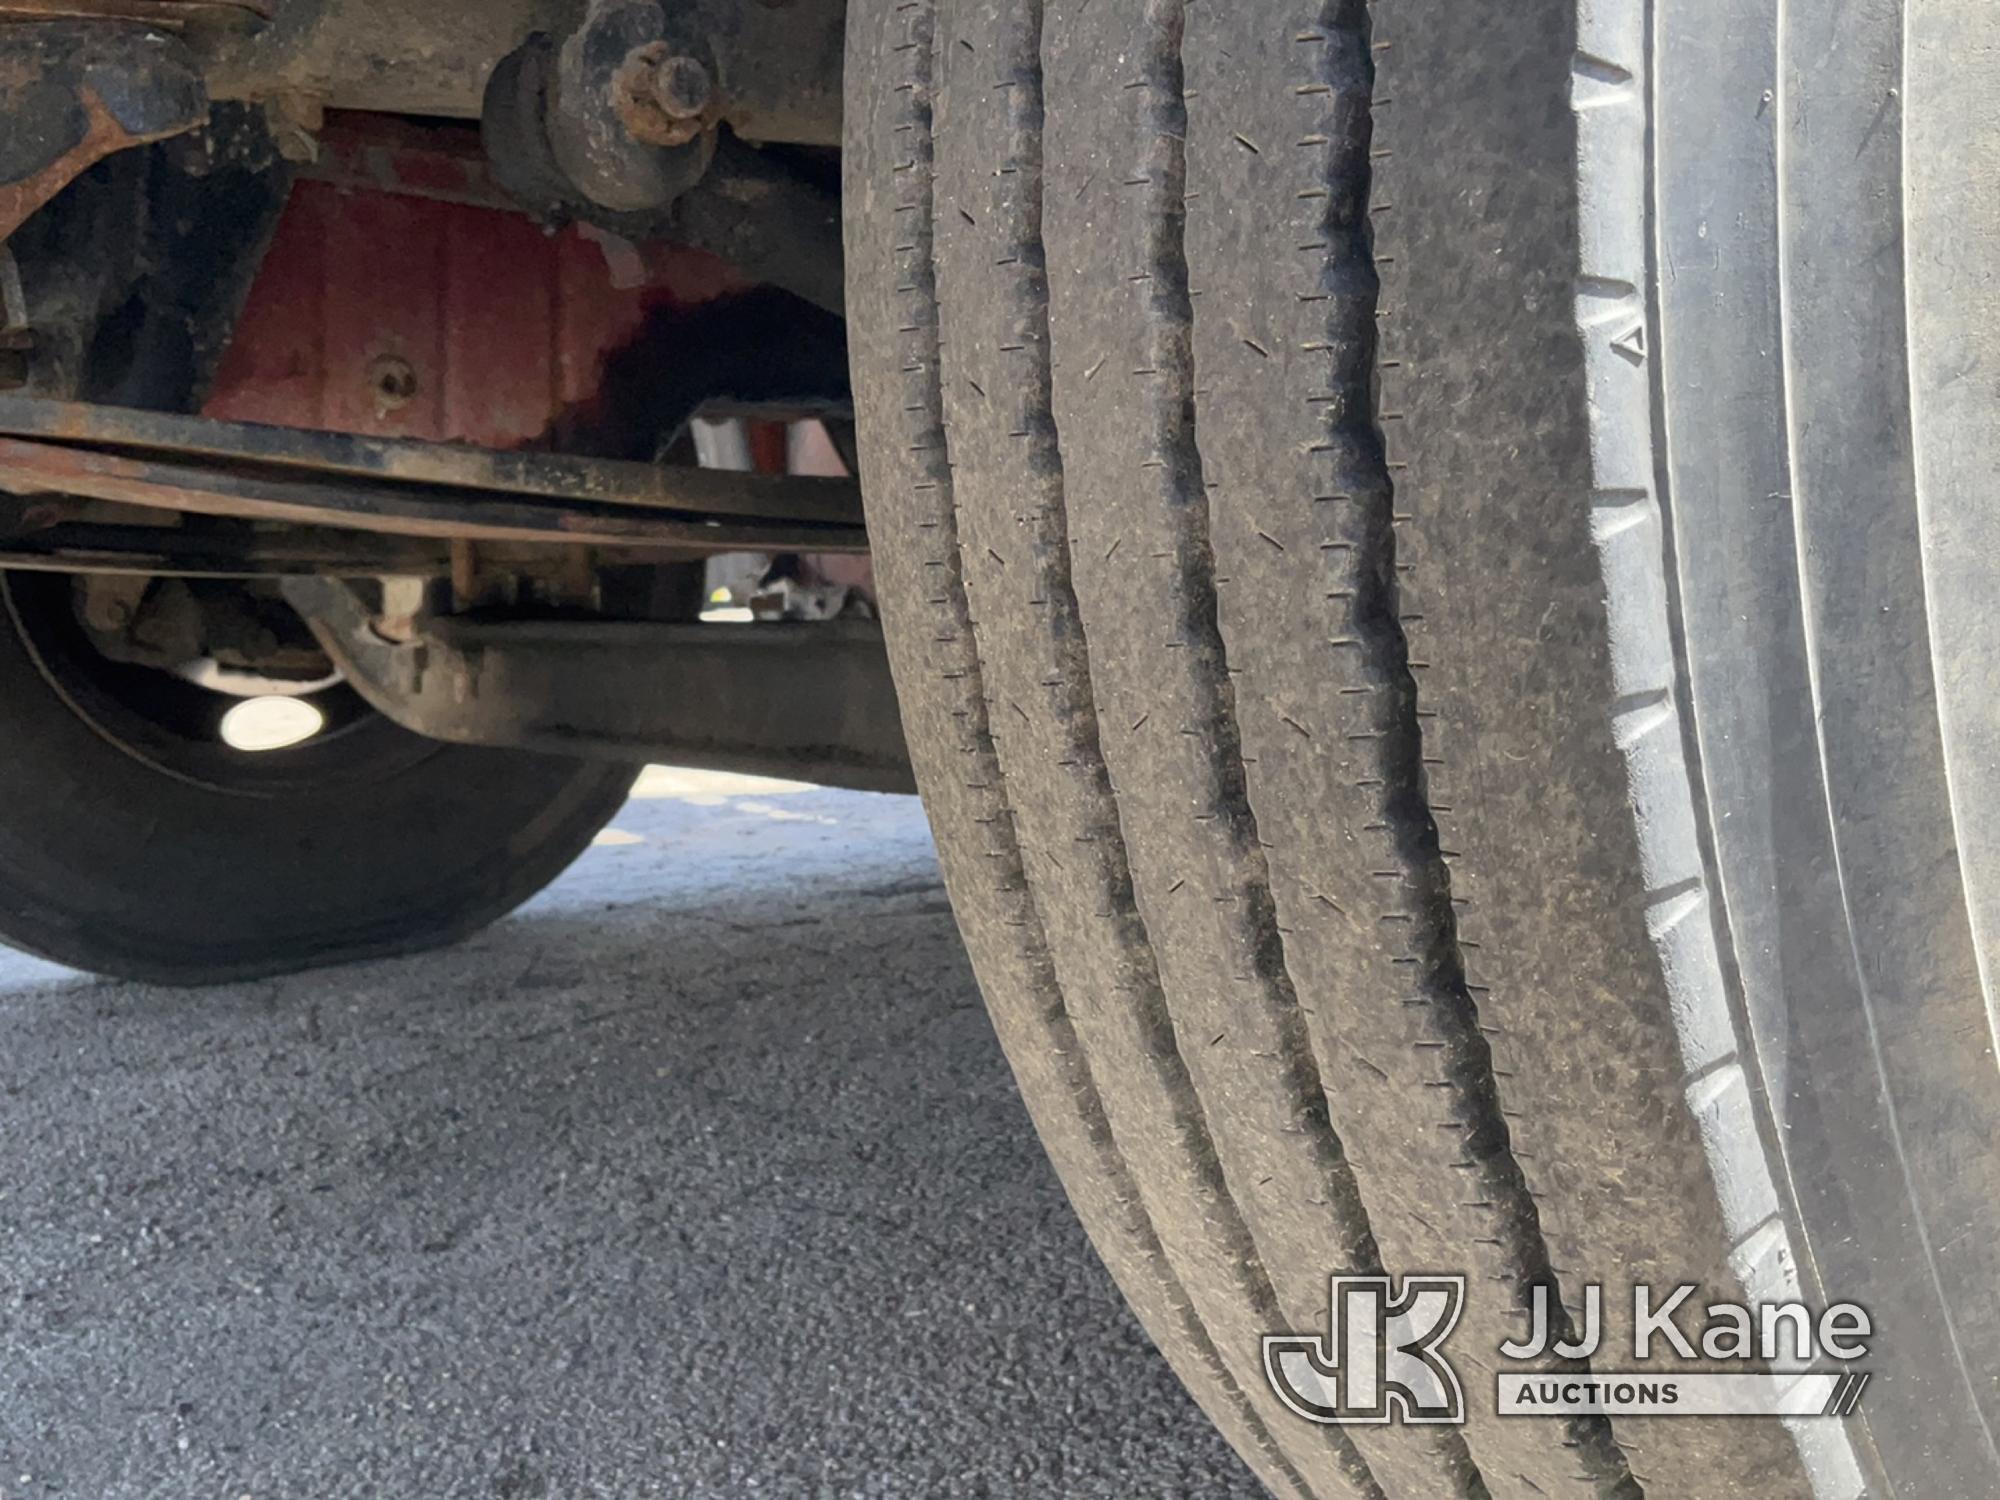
[
  {"x": 912, "y": 482},
  {"x": 1049, "y": 748},
  {"x": 1140, "y": 476},
  {"x": 1404, "y": 1001}
]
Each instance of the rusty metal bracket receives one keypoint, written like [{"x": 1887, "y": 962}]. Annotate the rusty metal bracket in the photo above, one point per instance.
[
  {"x": 116, "y": 549},
  {"x": 77, "y": 92},
  {"x": 813, "y": 702},
  {"x": 564, "y": 140},
  {"x": 411, "y": 488},
  {"x": 170, "y": 14}
]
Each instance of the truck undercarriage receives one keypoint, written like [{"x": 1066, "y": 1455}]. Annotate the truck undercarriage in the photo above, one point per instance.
[{"x": 382, "y": 316}]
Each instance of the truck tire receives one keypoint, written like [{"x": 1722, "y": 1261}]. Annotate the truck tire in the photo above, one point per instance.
[
  {"x": 1431, "y": 556},
  {"x": 135, "y": 843}
]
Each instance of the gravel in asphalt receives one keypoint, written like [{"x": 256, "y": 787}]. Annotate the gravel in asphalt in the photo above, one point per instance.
[{"x": 700, "y": 1176}]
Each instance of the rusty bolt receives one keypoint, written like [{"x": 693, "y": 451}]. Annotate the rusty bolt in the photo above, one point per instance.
[
  {"x": 662, "y": 97},
  {"x": 682, "y": 87}
]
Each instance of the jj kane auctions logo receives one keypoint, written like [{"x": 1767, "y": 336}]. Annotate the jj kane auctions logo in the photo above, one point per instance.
[{"x": 1383, "y": 1359}]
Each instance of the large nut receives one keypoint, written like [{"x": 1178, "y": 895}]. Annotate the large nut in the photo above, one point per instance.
[
  {"x": 682, "y": 87},
  {"x": 663, "y": 97}
]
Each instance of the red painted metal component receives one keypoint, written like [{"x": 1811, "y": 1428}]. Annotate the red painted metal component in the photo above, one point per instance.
[
  {"x": 403, "y": 297},
  {"x": 394, "y": 303}
]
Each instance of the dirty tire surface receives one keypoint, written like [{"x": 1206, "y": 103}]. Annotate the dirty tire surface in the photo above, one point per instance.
[{"x": 1287, "y": 656}]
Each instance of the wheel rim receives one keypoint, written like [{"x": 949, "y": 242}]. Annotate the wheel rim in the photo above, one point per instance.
[{"x": 177, "y": 727}]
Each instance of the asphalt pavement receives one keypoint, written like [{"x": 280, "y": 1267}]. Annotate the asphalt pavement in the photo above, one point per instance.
[{"x": 700, "y": 1176}]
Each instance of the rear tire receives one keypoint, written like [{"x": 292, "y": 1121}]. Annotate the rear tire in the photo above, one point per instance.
[
  {"x": 130, "y": 849},
  {"x": 1309, "y": 730}
]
